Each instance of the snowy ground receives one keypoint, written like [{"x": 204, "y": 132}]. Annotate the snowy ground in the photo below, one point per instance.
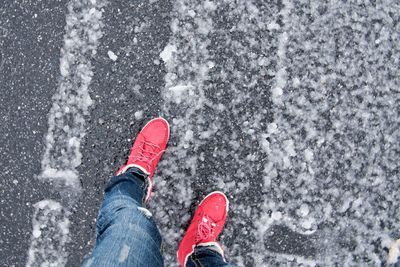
[{"x": 290, "y": 107}]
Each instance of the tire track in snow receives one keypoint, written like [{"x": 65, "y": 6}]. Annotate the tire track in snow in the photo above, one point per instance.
[
  {"x": 217, "y": 98},
  {"x": 183, "y": 96},
  {"x": 66, "y": 122},
  {"x": 333, "y": 163},
  {"x": 279, "y": 106}
]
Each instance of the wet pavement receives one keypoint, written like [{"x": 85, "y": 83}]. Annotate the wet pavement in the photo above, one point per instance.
[{"x": 292, "y": 109}]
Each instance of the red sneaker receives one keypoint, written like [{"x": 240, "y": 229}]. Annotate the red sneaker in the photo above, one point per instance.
[
  {"x": 148, "y": 148},
  {"x": 208, "y": 222}
]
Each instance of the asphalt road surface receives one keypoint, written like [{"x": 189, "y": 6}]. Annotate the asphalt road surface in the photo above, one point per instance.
[{"x": 292, "y": 108}]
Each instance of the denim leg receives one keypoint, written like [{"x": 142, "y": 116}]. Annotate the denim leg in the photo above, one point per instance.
[
  {"x": 126, "y": 235},
  {"x": 206, "y": 257}
]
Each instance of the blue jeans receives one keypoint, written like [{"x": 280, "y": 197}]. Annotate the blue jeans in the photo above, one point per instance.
[{"x": 126, "y": 234}]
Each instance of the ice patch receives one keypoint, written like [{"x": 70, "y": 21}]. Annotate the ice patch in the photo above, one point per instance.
[
  {"x": 177, "y": 90},
  {"x": 273, "y": 26},
  {"x": 36, "y": 233},
  {"x": 188, "y": 135},
  {"x": 308, "y": 155},
  {"x": 303, "y": 210},
  {"x": 208, "y": 5},
  {"x": 112, "y": 56},
  {"x": 138, "y": 114},
  {"x": 167, "y": 53}
]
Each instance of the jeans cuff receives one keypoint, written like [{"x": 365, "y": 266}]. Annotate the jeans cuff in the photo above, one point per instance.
[
  {"x": 214, "y": 246},
  {"x": 139, "y": 174}
]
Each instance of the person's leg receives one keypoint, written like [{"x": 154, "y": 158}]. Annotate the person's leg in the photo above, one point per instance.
[
  {"x": 126, "y": 235},
  {"x": 207, "y": 256},
  {"x": 199, "y": 246}
]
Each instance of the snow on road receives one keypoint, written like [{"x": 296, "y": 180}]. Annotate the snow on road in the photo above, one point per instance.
[
  {"x": 334, "y": 144},
  {"x": 292, "y": 109},
  {"x": 66, "y": 129},
  {"x": 50, "y": 235},
  {"x": 224, "y": 55},
  {"x": 72, "y": 100}
]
